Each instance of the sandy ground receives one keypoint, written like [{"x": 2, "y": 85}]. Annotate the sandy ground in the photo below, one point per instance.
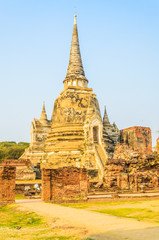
[{"x": 97, "y": 226}]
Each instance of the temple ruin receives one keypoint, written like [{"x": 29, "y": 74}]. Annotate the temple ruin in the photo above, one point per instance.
[
  {"x": 76, "y": 146},
  {"x": 76, "y": 136},
  {"x": 139, "y": 138},
  {"x": 39, "y": 131}
]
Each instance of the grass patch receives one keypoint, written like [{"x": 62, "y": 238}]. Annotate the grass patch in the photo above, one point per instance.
[
  {"x": 89, "y": 239},
  {"x": 57, "y": 238},
  {"x": 147, "y": 210},
  {"x": 121, "y": 212},
  {"x": 137, "y": 213},
  {"x": 12, "y": 218},
  {"x": 17, "y": 225},
  {"x": 19, "y": 196},
  {"x": 97, "y": 204}
]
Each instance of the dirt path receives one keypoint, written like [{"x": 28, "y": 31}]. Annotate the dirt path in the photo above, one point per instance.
[{"x": 100, "y": 226}]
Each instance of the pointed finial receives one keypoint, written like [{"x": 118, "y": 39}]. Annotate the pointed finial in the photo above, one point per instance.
[
  {"x": 75, "y": 19},
  {"x": 43, "y": 105},
  {"x": 105, "y": 109},
  {"x": 105, "y": 118},
  {"x": 75, "y": 67},
  {"x": 43, "y": 113}
]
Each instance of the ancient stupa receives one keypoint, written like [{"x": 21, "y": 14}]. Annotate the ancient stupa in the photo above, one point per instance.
[
  {"x": 76, "y": 136},
  {"x": 39, "y": 131}
]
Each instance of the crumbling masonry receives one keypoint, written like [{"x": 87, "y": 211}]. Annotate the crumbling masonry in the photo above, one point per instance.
[
  {"x": 7, "y": 179},
  {"x": 76, "y": 143}
]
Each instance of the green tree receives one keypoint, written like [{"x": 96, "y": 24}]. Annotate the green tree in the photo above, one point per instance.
[{"x": 12, "y": 150}]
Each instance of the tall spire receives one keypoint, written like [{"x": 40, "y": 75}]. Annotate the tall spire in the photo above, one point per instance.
[
  {"x": 105, "y": 118},
  {"x": 75, "y": 67},
  {"x": 43, "y": 113}
]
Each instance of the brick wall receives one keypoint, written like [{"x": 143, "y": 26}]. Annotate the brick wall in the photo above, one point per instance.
[
  {"x": 131, "y": 170},
  {"x": 139, "y": 138},
  {"x": 7, "y": 184},
  {"x": 119, "y": 177},
  {"x": 64, "y": 184}
]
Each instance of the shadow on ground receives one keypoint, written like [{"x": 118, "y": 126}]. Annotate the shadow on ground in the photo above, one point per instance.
[{"x": 143, "y": 234}]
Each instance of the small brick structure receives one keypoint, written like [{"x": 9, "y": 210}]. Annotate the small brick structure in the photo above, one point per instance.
[
  {"x": 131, "y": 171},
  {"x": 64, "y": 184},
  {"x": 123, "y": 176},
  {"x": 7, "y": 184},
  {"x": 7, "y": 179},
  {"x": 139, "y": 138}
]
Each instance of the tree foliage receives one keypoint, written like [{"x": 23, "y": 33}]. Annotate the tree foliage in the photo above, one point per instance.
[{"x": 12, "y": 150}]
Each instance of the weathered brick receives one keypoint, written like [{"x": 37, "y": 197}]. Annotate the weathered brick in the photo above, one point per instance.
[
  {"x": 63, "y": 184},
  {"x": 139, "y": 138},
  {"x": 7, "y": 179},
  {"x": 131, "y": 170},
  {"x": 7, "y": 184}
]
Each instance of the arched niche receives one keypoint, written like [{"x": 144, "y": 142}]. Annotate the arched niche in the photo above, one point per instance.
[
  {"x": 96, "y": 134},
  {"x": 96, "y": 131}
]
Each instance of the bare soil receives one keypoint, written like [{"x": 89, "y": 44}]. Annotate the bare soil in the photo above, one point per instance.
[{"x": 94, "y": 225}]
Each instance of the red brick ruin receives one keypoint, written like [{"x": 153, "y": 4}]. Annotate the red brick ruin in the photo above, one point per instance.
[
  {"x": 139, "y": 138},
  {"x": 67, "y": 183},
  {"x": 132, "y": 170},
  {"x": 7, "y": 179},
  {"x": 64, "y": 184},
  {"x": 7, "y": 184}
]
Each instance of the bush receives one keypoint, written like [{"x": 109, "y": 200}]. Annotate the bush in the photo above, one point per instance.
[{"x": 12, "y": 150}]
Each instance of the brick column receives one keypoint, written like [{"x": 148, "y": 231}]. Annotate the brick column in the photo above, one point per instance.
[
  {"x": 7, "y": 184},
  {"x": 83, "y": 183},
  {"x": 46, "y": 184},
  {"x": 64, "y": 184}
]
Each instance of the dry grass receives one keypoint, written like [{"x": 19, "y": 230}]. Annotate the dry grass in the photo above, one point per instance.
[
  {"x": 17, "y": 224},
  {"x": 147, "y": 210}
]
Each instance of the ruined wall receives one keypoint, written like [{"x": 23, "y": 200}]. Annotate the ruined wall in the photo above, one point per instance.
[
  {"x": 63, "y": 184},
  {"x": 131, "y": 170},
  {"x": 139, "y": 138},
  {"x": 7, "y": 184}
]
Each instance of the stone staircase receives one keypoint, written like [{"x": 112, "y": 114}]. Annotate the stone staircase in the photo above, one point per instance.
[{"x": 101, "y": 156}]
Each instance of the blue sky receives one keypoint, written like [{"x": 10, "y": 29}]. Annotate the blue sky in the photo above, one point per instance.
[{"x": 119, "y": 42}]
